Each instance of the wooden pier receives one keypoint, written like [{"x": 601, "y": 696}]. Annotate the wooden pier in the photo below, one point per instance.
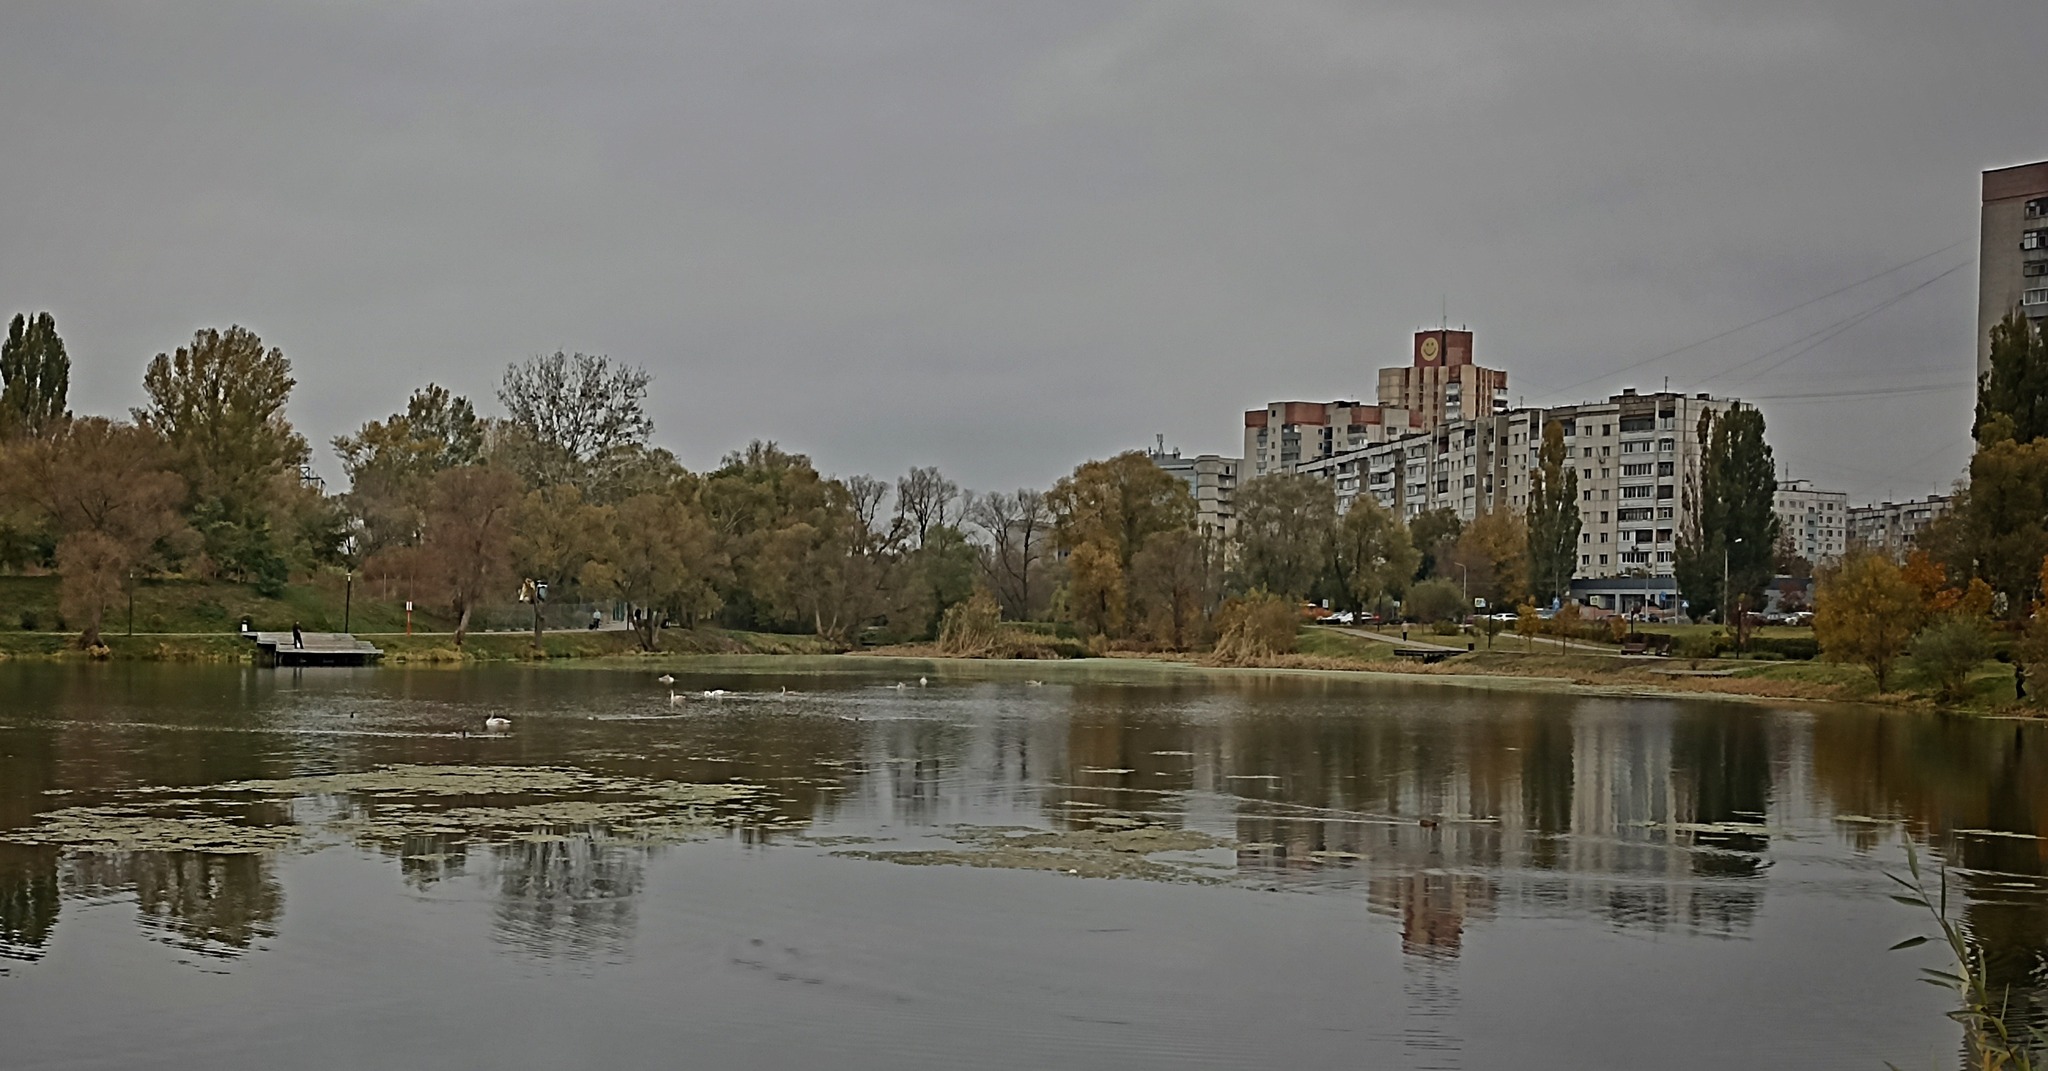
[{"x": 313, "y": 649}]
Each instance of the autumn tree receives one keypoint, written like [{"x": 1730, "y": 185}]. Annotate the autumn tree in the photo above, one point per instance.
[
  {"x": 1731, "y": 529},
  {"x": 219, "y": 404},
  {"x": 2004, "y": 520},
  {"x": 1371, "y": 557},
  {"x": 925, "y": 499},
  {"x": 556, "y": 535},
  {"x": 931, "y": 578},
  {"x": 109, "y": 495},
  {"x": 35, "y": 378},
  {"x": 1433, "y": 532},
  {"x": 2012, "y": 397},
  {"x": 1553, "y": 517},
  {"x": 391, "y": 464},
  {"x": 662, "y": 557},
  {"x": 1866, "y": 612},
  {"x": 574, "y": 415},
  {"x": 1017, "y": 528},
  {"x": 1491, "y": 559},
  {"x": 1102, "y": 515},
  {"x": 467, "y": 552},
  {"x": 1284, "y": 523},
  {"x": 801, "y": 556},
  {"x": 1172, "y": 584}
]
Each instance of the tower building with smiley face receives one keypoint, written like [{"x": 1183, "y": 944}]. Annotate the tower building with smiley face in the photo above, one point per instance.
[{"x": 1442, "y": 384}]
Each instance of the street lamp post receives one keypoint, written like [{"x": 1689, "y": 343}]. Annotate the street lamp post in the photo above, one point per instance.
[
  {"x": 1465, "y": 582},
  {"x": 348, "y": 596}
]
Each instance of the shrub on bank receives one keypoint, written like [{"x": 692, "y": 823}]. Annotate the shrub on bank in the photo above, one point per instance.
[{"x": 1256, "y": 626}]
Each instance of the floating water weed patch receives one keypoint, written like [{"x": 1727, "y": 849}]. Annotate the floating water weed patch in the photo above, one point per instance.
[
  {"x": 392, "y": 803},
  {"x": 1105, "y": 853}
]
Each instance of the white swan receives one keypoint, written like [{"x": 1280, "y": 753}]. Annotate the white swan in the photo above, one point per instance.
[
  {"x": 921, "y": 682},
  {"x": 674, "y": 700},
  {"x": 1034, "y": 684},
  {"x": 716, "y": 693},
  {"x": 666, "y": 679},
  {"x": 899, "y": 686},
  {"x": 496, "y": 724}
]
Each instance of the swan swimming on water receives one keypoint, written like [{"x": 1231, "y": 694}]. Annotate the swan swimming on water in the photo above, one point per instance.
[
  {"x": 496, "y": 724},
  {"x": 716, "y": 693},
  {"x": 1034, "y": 684},
  {"x": 666, "y": 679},
  {"x": 921, "y": 682}
]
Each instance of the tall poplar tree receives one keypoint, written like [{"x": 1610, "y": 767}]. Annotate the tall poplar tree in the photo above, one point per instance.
[
  {"x": 2012, "y": 398},
  {"x": 1553, "y": 517},
  {"x": 1730, "y": 534},
  {"x": 35, "y": 377}
]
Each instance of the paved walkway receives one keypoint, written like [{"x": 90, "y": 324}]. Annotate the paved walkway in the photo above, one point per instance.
[{"x": 1541, "y": 643}]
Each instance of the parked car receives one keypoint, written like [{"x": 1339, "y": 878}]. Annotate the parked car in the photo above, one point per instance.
[{"x": 1341, "y": 617}]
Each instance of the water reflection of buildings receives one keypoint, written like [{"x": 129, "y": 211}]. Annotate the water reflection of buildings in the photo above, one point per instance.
[{"x": 567, "y": 896}]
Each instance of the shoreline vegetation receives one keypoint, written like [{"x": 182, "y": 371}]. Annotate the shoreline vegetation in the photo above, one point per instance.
[
  {"x": 1512, "y": 662},
  {"x": 461, "y": 538}
]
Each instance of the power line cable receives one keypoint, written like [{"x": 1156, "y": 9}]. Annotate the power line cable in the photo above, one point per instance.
[
  {"x": 1760, "y": 320},
  {"x": 1831, "y": 331}
]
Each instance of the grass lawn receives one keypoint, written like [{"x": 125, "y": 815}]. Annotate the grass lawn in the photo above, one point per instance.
[{"x": 1327, "y": 643}]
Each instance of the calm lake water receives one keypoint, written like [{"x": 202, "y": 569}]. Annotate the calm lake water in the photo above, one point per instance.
[{"x": 1171, "y": 870}]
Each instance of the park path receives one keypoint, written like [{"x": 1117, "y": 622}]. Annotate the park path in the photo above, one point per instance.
[{"x": 1505, "y": 637}]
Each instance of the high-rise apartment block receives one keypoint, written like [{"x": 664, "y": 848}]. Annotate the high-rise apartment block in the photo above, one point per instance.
[
  {"x": 1286, "y": 435},
  {"x": 1212, "y": 480},
  {"x": 2012, "y": 252},
  {"x": 1630, "y": 451},
  {"x": 1813, "y": 522},
  {"x": 1891, "y": 527},
  {"x": 1440, "y": 383}
]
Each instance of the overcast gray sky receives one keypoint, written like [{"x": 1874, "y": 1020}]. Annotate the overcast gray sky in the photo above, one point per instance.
[{"x": 1003, "y": 238}]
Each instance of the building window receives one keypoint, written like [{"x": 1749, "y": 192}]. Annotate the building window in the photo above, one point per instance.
[
  {"x": 2034, "y": 268},
  {"x": 1637, "y": 491},
  {"x": 1642, "y": 469},
  {"x": 1603, "y": 559},
  {"x": 1585, "y": 559},
  {"x": 1665, "y": 446},
  {"x": 2034, "y": 297},
  {"x": 2034, "y": 240},
  {"x": 1664, "y": 468},
  {"x": 2037, "y": 208}
]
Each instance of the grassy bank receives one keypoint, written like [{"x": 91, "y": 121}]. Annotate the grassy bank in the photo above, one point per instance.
[
  {"x": 421, "y": 647},
  {"x": 176, "y": 606}
]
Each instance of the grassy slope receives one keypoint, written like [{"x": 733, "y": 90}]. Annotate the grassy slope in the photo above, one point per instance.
[{"x": 204, "y": 606}]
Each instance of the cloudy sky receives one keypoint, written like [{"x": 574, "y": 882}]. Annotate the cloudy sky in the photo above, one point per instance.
[{"x": 1005, "y": 238}]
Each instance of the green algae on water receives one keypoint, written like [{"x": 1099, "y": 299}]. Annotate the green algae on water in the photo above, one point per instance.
[{"x": 1117, "y": 853}]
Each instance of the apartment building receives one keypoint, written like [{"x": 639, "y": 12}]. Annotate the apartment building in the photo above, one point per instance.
[
  {"x": 1286, "y": 435},
  {"x": 1814, "y": 522},
  {"x": 1212, "y": 479},
  {"x": 2012, "y": 251},
  {"x": 1441, "y": 383},
  {"x": 1631, "y": 452},
  {"x": 1891, "y": 527}
]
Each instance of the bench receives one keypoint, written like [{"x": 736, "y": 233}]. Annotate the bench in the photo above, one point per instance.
[{"x": 1425, "y": 655}]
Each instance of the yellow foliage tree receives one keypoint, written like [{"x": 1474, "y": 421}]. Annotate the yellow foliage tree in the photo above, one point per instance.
[{"x": 1866, "y": 612}]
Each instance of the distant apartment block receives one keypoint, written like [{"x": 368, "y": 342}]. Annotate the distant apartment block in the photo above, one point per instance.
[
  {"x": 1631, "y": 452},
  {"x": 1891, "y": 527},
  {"x": 2012, "y": 252},
  {"x": 1286, "y": 435},
  {"x": 1441, "y": 384},
  {"x": 1814, "y": 522},
  {"x": 1212, "y": 480}
]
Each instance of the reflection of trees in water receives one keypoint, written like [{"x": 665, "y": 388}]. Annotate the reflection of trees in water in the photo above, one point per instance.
[
  {"x": 571, "y": 896},
  {"x": 1941, "y": 776},
  {"x": 218, "y": 905},
  {"x": 1555, "y": 806},
  {"x": 29, "y": 899}
]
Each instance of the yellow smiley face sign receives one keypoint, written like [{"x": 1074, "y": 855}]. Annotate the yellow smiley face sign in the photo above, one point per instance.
[{"x": 1429, "y": 349}]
